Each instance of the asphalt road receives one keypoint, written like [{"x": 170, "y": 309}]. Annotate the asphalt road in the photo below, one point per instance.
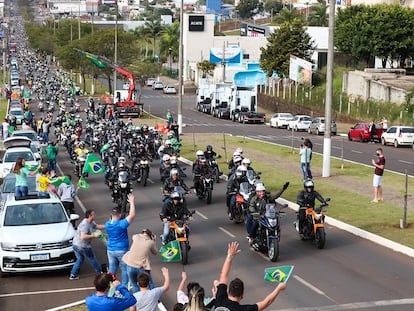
[{"x": 350, "y": 273}]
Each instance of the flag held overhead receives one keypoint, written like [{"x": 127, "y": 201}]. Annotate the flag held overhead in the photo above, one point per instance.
[
  {"x": 278, "y": 274},
  {"x": 93, "y": 165}
]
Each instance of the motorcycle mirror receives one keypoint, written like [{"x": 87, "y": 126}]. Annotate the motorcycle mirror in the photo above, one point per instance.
[
  {"x": 259, "y": 173},
  {"x": 184, "y": 168},
  {"x": 327, "y": 199}
]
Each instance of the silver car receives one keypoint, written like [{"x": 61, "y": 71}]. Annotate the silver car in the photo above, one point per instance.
[{"x": 317, "y": 126}]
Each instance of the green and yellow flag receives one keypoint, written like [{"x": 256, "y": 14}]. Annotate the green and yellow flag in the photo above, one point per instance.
[
  {"x": 56, "y": 181},
  {"x": 278, "y": 274},
  {"x": 93, "y": 165},
  {"x": 82, "y": 183},
  {"x": 31, "y": 167},
  {"x": 171, "y": 252}
]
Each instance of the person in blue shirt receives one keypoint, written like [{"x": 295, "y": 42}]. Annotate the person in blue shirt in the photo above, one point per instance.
[
  {"x": 101, "y": 300},
  {"x": 118, "y": 242}
]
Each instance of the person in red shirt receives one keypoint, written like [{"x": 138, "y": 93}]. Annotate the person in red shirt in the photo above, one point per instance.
[{"x": 379, "y": 165}]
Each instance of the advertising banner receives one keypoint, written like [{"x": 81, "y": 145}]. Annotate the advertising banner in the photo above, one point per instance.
[{"x": 300, "y": 70}]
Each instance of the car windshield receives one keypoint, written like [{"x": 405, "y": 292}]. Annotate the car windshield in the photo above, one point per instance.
[
  {"x": 16, "y": 112},
  {"x": 30, "y": 135},
  {"x": 9, "y": 183},
  {"x": 34, "y": 214},
  {"x": 12, "y": 156}
]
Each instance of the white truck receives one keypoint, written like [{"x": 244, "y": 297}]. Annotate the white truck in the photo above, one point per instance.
[
  {"x": 205, "y": 93},
  {"x": 220, "y": 106},
  {"x": 243, "y": 105}
]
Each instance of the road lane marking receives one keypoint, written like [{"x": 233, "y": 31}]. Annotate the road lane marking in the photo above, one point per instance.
[
  {"x": 310, "y": 286},
  {"x": 201, "y": 215},
  {"x": 47, "y": 292},
  {"x": 356, "y": 305},
  {"x": 356, "y": 151},
  {"x": 405, "y": 162},
  {"x": 227, "y": 232}
]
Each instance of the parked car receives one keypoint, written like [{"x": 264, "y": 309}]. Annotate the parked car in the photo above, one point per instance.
[
  {"x": 36, "y": 235},
  {"x": 150, "y": 81},
  {"x": 18, "y": 147},
  {"x": 170, "y": 89},
  {"x": 18, "y": 113},
  {"x": 317, "y": 126},
  {"x": 398, "y": 136},
  {"x": 157, "y": 85},
  {"x": 280, "y": 119},
  {"x": 360, "y": 132},
  {"x": 299, "y": 123},
  {"x": 32, "y": 135}
]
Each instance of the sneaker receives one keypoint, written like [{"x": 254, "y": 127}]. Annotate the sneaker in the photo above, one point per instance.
[
  {"x": 230, "y": 216},
  {"x": 73, "y": 277},
  {"x": 374, "y": 201},
  {"x": 251, "y": 240}
]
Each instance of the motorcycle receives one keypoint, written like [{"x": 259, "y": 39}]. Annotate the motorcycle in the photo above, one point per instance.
[
  {"x": 242, "y": 203},
  {"x": 314, "y": 224},
  {"x": 179, "y": 231},
  {"x": 120, "y": 190},
  {"x": 216, "y": 170},
  {"x": 40, "y": 106},
  {"x": 141, "y": 170},
  {"x": 268, "y": 233},
  {"x": 206, "y": 191},
  {"x": 79, "y": 163}
]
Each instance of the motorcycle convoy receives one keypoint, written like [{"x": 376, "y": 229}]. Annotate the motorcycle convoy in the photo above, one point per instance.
[{"x": 115, "y": 142}]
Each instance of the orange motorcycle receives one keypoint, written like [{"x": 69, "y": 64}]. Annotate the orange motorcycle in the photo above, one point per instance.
[{"x": 179, "y": 231}]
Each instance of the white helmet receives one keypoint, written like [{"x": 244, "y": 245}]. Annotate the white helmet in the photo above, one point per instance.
[
  {"x": 260, "y": 187},
  {"x": 199, "y": 153},
  {"x": 122, "y": 159},
  {"x": 242, "y": 168},
  {"x": 236, "y": 154},
  {"x": 237, "y": 159},
  {"x": 167, "y": 142},
  {"x": 239, "y": 150},
  {"x": 165, "y": 157},
  {"x": 174, "y": 171},
  {"x": 246, "y": 161}
]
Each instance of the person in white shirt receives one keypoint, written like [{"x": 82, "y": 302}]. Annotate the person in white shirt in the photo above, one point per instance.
[{"x": 6, "y": 126}]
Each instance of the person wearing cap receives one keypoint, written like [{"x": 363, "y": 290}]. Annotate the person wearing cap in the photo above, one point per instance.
[
  {"x": 118, "y": 243},
  {"x": 137, "y": 258},
  {"x": 257, "y": 204}
]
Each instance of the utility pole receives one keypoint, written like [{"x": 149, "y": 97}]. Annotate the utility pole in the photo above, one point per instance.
[
  {"x": 116, "y": 46},
  {"x": 181, "y": 72},
  {"x": 326, "y": 168}
]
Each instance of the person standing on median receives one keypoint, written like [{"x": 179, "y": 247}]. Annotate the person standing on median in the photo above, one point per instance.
[
  {"x": 379, "y": 165},
  {"x": 51, "y": 151},
  {"x": 82, "y": 244},
  {"x": 118, "y": 242}
]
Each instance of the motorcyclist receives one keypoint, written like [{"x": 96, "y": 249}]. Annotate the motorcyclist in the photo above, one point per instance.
[
  {"x": 174, "y": 164},
  {"x": 165, "y": 149},
  {"x": 81, "y": 151},
  {"x": 199, "y": 155},
  {"x": 257, "y": 204},
  {"x": 174, "y": 181},
  {"x": 232, "y": 164},
  {"x": 200, "y": 171},
  {"x": 165, "y": 167},
  {"x": 237, "y": 162},
  {"x": 173, "y": 209},
  {"x": 209, "y": 153},
  {"x": 233, "y": 186},
  {"x": 306, "y": 198}
]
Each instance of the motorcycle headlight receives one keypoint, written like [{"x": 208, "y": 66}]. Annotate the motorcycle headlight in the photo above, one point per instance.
[
  {"x": 180, "y": 229},
  {"x": 273, "y": 222},
  {"x": 123, "y": 185},
  {"x": 141, "y": 162},
  {"x": 156, "y": 141},
  {"x": 207, "y": 180},
  {"x": 145, "y": 162}
]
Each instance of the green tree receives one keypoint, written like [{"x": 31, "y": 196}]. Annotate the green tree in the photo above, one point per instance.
[
  {"x": 287, "y": 16},
  {"x": 206, "y": 68},
  {"x": 170, "y": 37},
  {"x": 319, "y": 16},
  {"x": 288, "y": 39},
  {"x": 248, "y": 8},
  {"x": 153, "y": 28},
  {"x": 273, "y": 6}
]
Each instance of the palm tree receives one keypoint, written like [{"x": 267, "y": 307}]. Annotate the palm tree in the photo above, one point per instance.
[
  {"x": 170, "y": 36},
  {"x": 319, "y": 16},
  {"x": 287, "y": 16},
  {"x": 144, "y": 38},
  {"x": 153, "y": 28}
]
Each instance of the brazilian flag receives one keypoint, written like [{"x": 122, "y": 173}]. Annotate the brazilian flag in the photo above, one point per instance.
[
  {"x": 82, "y": 183},
  {"x": 171, "y": 252},
  {"x": 93, "y": 165},
  {"x": 31, "y": 167},
  {"x": 104, "y": 148},
  {"x": 57, "y": 181},
  {"x": 93, "y": 58},
  {"x": 278, "y": 274}
]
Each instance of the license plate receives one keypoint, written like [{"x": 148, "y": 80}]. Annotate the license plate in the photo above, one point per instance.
[{"x": 39, "y": 257}]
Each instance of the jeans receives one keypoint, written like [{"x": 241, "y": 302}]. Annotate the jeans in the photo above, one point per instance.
[
  {"x": 306, "y": 170},
  {"x": 80, "y": 254},
  {"x": 133, "y": 276},
  {"x": 21, "y": 191},
  {"x": 42, "y": 194},
  {"x": 251, "y": 226},
  {"x": 45, "y": 137},
  {"x": 115, "y": 260},
  {"x": 232, "y": 204},
  {"x": 165, "y": 231},
  {"x": 51, "y": 165}
]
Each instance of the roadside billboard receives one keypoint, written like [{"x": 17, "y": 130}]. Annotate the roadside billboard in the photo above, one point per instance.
[{"x": 300, "y": 70}]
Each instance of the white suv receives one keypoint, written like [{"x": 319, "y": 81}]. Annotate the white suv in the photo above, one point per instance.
[{"x": 35, "y": 235}]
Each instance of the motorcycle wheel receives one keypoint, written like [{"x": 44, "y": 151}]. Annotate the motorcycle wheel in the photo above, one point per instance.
[
  {"x": 273, "y": 251},
  {"x": 209, "y": 195},
  {"x": 217, "y": 175},
  {"x": 184, "y": 252},
  {"x": 144, "y": 178},
  {"x": 124, "y": 204},
  {"x": 320, "y": 238}
]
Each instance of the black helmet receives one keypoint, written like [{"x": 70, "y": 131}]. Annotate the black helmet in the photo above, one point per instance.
[
  {"x": 209, "y": 147},
  {"x": 308, "y": 184}
]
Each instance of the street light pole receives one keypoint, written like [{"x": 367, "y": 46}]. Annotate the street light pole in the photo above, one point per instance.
[
  {"x": 181, "y": 72},
  {"x": 169, "y": 56}
]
